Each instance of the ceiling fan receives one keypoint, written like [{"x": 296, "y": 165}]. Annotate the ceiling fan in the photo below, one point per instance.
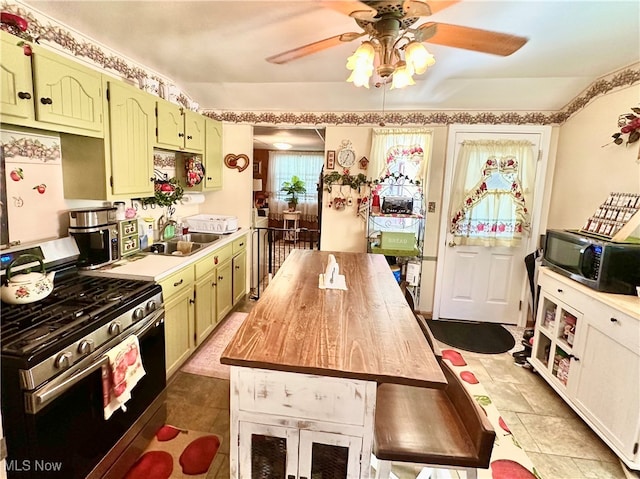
[{"x": 386, "y": 22}]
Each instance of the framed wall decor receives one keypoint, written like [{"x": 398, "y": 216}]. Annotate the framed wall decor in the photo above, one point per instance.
[{"x": 331, "y": 159}]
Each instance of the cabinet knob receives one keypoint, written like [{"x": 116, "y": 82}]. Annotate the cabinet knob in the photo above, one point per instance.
[
  {"x": 220, "y": 278},
  {"x": 613, "y": 320},
  {"x": 23, "y": 95},
  {"x": 571, "y": 356},
  {"x": 191, "y": 301},
  {"x": 214, "y": 284},
  {"x": 189, "y": 137},
  {"x": 46, "y": 101},
  {"x": 180, "y": 135},
  {"x": 152, "y": 179},
  {"x": 560, "y": 290},
  {"x": 237, "y": 267},
  {"x": 209, "y": 178}
]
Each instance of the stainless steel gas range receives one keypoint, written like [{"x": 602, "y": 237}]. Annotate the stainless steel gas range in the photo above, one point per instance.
[{"x": 54, "y": 365}]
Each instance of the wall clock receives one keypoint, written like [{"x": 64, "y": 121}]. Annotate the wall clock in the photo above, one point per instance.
[{"x": 346, "y": 155}]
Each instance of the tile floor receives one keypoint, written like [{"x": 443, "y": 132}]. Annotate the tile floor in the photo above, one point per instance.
[{"x": 558, "y": 442}]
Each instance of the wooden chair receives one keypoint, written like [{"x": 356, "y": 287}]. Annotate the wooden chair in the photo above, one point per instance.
[{"x": 431, "y": 427}]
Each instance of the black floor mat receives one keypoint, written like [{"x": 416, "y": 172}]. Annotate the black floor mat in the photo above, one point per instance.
[{"x": 487, "y": 338}]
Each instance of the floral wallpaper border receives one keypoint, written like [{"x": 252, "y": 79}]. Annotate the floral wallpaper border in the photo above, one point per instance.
[{"x": 111, "y": 61}]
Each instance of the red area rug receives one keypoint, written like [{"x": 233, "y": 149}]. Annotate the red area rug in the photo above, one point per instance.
[{"x": 176, "y": 454}]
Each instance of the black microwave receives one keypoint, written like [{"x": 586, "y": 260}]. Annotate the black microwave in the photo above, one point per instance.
[{"x": 601, "y": 265}]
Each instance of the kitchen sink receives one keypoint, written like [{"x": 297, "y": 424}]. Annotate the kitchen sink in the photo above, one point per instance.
[
  {"x": 170, "y": 248},
  {"x": 204, "y": 238}
]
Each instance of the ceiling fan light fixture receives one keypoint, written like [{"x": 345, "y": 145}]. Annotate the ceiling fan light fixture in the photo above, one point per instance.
[
  {"x": 280, "y": 145},
  {"x": 402, "y": 76},
  {"x": 361, "y": 64},
  {"x": 418, "y": 57}
]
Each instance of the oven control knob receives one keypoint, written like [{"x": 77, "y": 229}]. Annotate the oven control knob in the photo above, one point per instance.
[
  {"x": 85, "y": 346},
  {"x": 63, "y": 360},
  {"x": 114, "y": 328},
  {"x": 151, "y": 306},
  {"x": 138, "y": 314}
]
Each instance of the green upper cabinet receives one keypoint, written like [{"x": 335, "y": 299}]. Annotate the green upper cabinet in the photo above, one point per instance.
[
  {"x": 48, "y": 91},
  {"x": 132, "y": 122},
  {"x": 193, "y": 131},
  {"x": 213, "y": 155},
  {"x": 67, "y": 93},
  {"x": 179, "y": 129},
  {"x": 16, "y": 89},
  {"x": 170, "y": 120}
]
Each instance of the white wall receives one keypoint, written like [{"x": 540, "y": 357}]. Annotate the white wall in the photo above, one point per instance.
[
  {"x": 235, "y": 198},
  {"x": 343, "y": 230},
  {"x": 585, "y": 171}
]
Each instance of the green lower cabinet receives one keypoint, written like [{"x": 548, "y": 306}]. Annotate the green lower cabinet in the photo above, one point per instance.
[
  {"x": 178, "y": 329},
  {"x": 224, "y": 291},
  {"x": 206, "y": 311},
  {"x": 239, "y": 276}
]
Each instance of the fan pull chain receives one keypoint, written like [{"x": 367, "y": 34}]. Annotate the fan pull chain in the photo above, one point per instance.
[{"x": 384, "y": 97}]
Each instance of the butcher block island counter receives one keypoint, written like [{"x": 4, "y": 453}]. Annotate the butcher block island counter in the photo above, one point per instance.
[{"x": 306, "y": 362}]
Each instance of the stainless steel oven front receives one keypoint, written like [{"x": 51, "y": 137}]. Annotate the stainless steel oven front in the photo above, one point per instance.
[{"x": 65, "y": 431}]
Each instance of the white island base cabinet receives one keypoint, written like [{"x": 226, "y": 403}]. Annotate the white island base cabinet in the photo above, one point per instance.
[
  {"x": 297, "y": 426},
  {"x": 587, "y": 347}
]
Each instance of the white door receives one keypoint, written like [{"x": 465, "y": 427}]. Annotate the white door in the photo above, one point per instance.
[{"x": 480, "y": 283}]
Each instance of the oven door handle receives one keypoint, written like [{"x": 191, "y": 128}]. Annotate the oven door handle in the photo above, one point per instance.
[{"x": 36, "y": 401}]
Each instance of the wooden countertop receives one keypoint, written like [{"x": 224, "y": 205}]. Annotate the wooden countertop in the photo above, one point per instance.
[{"x": 367, "y": 332}]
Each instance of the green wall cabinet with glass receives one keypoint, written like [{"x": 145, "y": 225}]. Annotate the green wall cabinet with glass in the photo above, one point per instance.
[{"x": 48, "y": 91}]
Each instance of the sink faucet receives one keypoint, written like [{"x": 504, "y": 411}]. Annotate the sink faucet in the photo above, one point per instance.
[{"x": 164, "y": 227}]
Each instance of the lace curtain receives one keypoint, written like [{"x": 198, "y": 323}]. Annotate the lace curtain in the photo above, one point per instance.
[
  {"x": 492, "y": 190},
  {"x": 282, "y": 166},
  {"x": 399, "y": 150}
]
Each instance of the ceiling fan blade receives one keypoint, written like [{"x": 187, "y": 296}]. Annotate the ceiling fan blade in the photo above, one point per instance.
[
  {"x": 353, "y": 8},
  {"x": 312, "y": 48},
  {"x": 468, "y": 38},
  {"x": 437, "y": 5}
]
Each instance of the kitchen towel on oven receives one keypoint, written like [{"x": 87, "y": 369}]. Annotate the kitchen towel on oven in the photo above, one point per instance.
[{"x": 121, "y": 374}]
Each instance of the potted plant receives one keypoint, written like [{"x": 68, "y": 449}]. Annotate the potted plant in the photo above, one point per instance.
[{"x": 293, "y": 188}]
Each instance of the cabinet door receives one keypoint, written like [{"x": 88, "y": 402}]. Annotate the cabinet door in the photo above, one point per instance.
[
  {"x": 193, "y": 131},
  {"x": 178, "y": 324},
  {"x": 607, "y": 377},
  {"x": 239, "y": 276},
  {"x": 66, "y": 92},
  {"x": 267, "y": 451},
  {"x": 170, "y": 121},
  {"x": 213, "y": 155},
  {"x": 329, "y": 456},
  {"x": 16, "y": 89},
  {"x": 132, "y": 118},
  {"x": 224, "y": 291},
  {"x": 206, "y": 315}
]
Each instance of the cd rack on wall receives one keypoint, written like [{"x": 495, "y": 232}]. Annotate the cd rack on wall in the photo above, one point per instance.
[{"x": 616, "y": 218}]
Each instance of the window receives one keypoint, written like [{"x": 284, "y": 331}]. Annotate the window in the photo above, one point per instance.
[
  {"x": 400, "y": 150},
  {"x": 285, "y": 164},
  {"x": 491, "y": 192}
]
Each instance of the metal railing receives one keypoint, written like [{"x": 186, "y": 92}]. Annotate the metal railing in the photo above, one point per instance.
[{"x": 272, "y": 246}]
